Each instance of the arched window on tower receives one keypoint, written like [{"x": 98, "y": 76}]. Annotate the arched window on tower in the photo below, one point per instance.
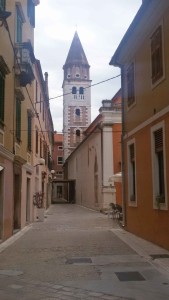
[
  {"x": 74, "y": 90},
  {"x": 77, "y": 112},
  {"x": 77, "y": 136},
  {"x": 81, "y": 92}
]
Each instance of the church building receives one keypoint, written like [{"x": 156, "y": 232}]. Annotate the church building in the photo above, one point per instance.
[{"x": 76, "y": 96}]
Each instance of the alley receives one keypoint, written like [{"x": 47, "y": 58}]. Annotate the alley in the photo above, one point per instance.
[{"x": 76, "y": 253}]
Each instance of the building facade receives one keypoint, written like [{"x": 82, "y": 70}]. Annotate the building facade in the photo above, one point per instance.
[
  {"x": 76, "y": 96},
  {"x": 18, "y": 115},
  {"x": 144, "y": 65},
  {"x": 93, "y": 163},
  {"x": 57, "y": 167}
]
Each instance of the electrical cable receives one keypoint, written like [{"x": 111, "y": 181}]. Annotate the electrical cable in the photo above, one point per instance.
[{"x": 87, "y": 87}]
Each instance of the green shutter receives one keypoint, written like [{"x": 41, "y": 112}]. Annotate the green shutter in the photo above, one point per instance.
[
  {"x": 19, "y": 27},
  {"x": 29, "y": 132},
  {"x": 2, "y": 96},
  {"x": 18, "y": 119},
  {"x": 2, "y": 4}
]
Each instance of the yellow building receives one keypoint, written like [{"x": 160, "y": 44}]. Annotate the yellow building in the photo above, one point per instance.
[
  {"x": 17, "y": 115},
  {"x": 143, "y": 57}
]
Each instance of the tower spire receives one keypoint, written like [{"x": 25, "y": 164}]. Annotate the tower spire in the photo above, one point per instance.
[
  {"x": 76, "y": 53},
  {"x": 77, "y": 96}
]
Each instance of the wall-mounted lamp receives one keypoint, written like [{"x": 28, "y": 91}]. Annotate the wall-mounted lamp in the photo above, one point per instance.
[
  {"x": 41, "y": 162},
  {"x": 52, "y": 172},
  {"x": 3, "y": 16},
  {"x": 1, "y": 168}
]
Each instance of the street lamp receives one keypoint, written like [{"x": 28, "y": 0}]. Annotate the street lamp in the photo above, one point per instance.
[{"x": 41, "y": 162}]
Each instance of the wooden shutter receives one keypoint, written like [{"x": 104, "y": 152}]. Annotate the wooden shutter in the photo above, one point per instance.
[
  {"x": 158, "y": 135},
  {"x": 2, "y": 96},
  {"x": 132, "y": 153}
]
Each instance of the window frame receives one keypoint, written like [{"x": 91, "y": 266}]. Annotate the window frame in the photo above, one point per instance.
[
  {"x": 158, "y": 77},
  {"x": 29, "y": 137},
  {"x": 157, "y": 204},
  {"x": 132, "y": 178},
  {"x": 58, "y": 158},
  {"x": 18, "y": 120},
  {"x": 2, "y": 98},
  {"x": 36, "y": 141},
  {"x": 130, "y": 85},
  {"x": 2, "y": 5},
  {"x": 31, "y": 12},
  {"x": 19, "y": 24},
  {"x": 60, "y": 148}
]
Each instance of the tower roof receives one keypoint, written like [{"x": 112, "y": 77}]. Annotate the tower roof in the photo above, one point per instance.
[{"x": 76, "y": 53}]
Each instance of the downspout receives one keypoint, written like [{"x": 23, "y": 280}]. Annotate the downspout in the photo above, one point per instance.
[{"x": 122, "y": 151}]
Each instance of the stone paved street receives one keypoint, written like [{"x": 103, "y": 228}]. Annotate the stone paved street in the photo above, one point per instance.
[{"x": 74, "y": 254}]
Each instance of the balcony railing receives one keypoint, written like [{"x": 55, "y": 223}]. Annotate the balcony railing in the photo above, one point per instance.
[{"x": 24, "y": 60}]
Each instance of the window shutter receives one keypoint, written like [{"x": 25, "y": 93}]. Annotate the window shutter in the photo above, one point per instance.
[
  {"x": 132, "y": 154},
  {"x": 2, "y": 5},
  {"x": 2, "y": 95},
  {"x": 158, "y": 135}
]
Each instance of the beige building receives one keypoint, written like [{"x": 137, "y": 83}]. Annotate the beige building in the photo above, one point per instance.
[
  {"x": 93, "y": 163},
  {"x": 143, "y": 57},
  {"x": 17, "y": 115}
]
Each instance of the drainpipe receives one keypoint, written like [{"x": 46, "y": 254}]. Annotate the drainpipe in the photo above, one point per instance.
[{"x": 122, "y": 150}]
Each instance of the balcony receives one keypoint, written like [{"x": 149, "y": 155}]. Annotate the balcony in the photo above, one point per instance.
[{"x": 24, "y": 60}]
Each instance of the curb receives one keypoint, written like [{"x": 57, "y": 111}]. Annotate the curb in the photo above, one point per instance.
[
  {"x": 14, "y": 238},
  {"x": 144, "y": 248}
]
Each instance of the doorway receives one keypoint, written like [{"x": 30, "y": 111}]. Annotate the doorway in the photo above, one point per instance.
[
  {"x": 17, "y": 202},
  {"x": 1, "y": 202},
  {"x": 28, "y": 184}
]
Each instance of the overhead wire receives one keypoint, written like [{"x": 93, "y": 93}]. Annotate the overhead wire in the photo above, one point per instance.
[{"x": 87, "y": 87}]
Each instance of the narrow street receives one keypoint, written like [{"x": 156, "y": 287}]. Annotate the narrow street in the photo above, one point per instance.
[{"x": 76, "y": 253}]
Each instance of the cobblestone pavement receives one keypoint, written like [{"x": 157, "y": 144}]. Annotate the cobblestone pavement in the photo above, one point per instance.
[{"x": 74, "y": 254}]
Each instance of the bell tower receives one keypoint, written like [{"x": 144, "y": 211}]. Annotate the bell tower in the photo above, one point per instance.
[{"x": 76, "y": 96}]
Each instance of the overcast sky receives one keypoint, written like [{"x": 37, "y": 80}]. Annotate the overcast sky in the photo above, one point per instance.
[{"x": 100, "y": 26}]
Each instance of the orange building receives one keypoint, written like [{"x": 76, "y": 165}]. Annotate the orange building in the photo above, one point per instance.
[{"x": 143, "y": 56}]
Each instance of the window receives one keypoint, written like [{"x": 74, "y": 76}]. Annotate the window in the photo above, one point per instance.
[
  {"x": 77, "y": 112},
  {"x": 2, "y": 97},
  {"x": 60, "y": 147},
  {"x": 156, "y": 55},
  {"x": 131, "y": 173},
  {"x": 2, "y": 5},
  {"x": 36, "y": 141},
  {"x": 45, "y": 151},
  {"x": 77, "y": 136},
  {"x": 41, "y": 143},
  {"x": 36, "y": 92},
  {"x": 81, "y": 91},
  {"x": 19, "y": 22},
  {"x": 68, "y": 76},
  {"x": 29, "y": 132},
  {"x": 31, "y": 12},
  {"x": 60, "y": 160},
  {"x": 59, "y": 173},
  {"x": 74, "y": 90},
  {"x": 158, "y": 164},
  {"x": 77, "y": 75},
  {"x": 130, "y": 86},
  {"x": 4, "y": 70},
  {"x": 18, "y": 119}
]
